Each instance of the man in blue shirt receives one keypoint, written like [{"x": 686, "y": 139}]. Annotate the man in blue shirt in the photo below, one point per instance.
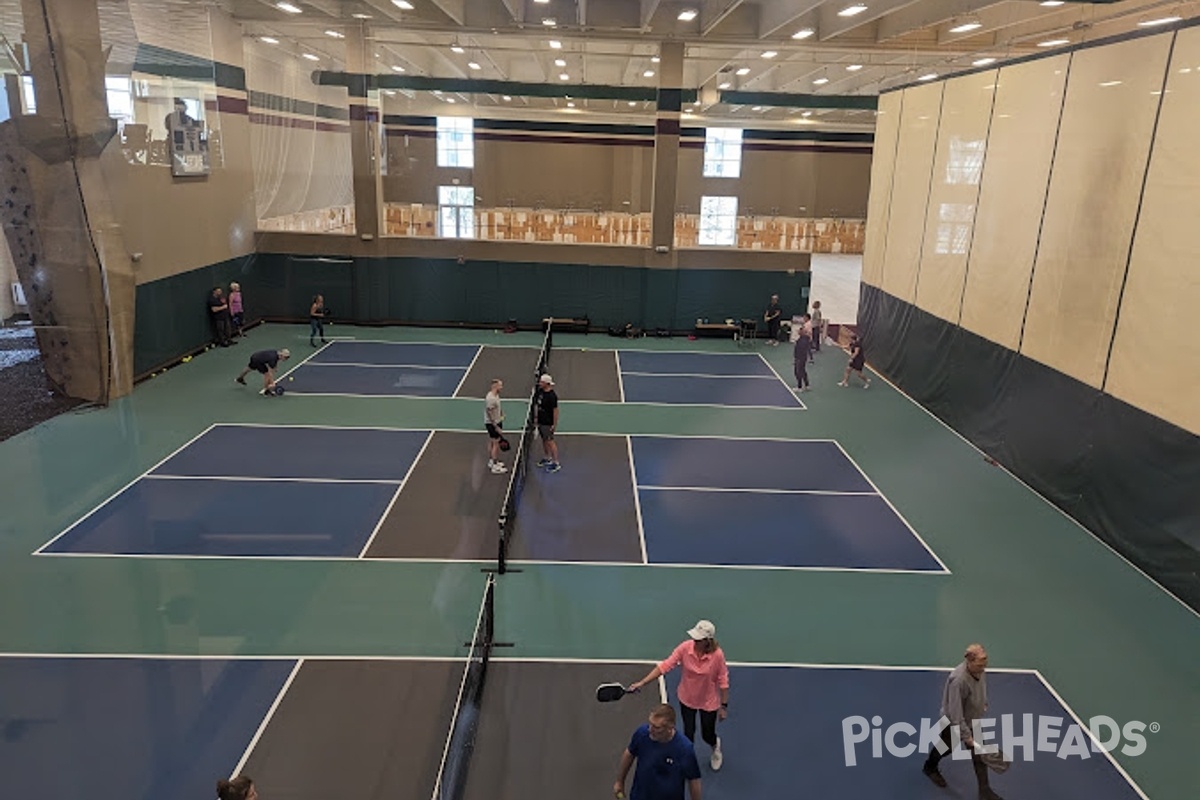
[{"x": 665, "y": 761}]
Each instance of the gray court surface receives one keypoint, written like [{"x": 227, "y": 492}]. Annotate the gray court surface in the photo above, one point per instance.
[
  {"x": 514, "y": 366},
  {"x": 368, "y": 730},
  {"x": 449, "y": 506},
  {"x": 585, "y": 375},
  {"x": 543, "y": 735},
  {"x": 586, "y": 511}
]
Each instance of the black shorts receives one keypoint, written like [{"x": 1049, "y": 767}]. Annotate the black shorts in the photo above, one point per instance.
[
  {"x": 856, "y": 364},
  {"x": 261, "y": 366},
  {"x": 493, "y": 430}
]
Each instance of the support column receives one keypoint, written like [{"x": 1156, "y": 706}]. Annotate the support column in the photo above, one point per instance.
[
  {"x": 666, "y": 145},
  {"x": 366, "y": 127},
  {"x": 60, "y": 224}
]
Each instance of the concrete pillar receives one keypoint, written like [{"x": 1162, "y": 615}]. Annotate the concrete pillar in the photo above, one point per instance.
[
  {"x": 59, "y": 222},
  {"x": 365, "y": 129},
  {"x": 666, "y": 144}
]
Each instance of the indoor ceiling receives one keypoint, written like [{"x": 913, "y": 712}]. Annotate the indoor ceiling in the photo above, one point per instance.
[{"x": 794, "y": 46}]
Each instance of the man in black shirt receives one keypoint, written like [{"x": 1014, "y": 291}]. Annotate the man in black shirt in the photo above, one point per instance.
[
  {"x": 218, "y": 311},
  {"x": 546, "y": 404},
  {"x": 265, "y": 361},
  {"x": 772, "y": 317}
]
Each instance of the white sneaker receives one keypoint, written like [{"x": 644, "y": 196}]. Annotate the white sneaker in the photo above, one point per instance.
[
  {"x": 717, "y": 758},
  {"x": 498, "y": 468}
]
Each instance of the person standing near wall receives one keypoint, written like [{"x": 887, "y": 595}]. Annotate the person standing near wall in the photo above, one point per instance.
[
  {"x": 818, "y": 326},
  {"x": 316, "y": 320},
  {"x": 772, "y": 316},
  {"x": 236, "y": 310},
  {"x": 218, "y": 311}
]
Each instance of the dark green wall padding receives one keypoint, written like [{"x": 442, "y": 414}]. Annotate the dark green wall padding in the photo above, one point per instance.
[{"x": 172, "y": 316}]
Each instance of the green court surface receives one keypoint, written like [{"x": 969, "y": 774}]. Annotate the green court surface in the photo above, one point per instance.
[{"x": 1039, "y": 591}]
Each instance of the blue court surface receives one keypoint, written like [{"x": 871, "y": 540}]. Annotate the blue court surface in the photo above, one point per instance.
[
  {"x": 784, "y": 737},
  {"x": 383, "y": 369},
  {"x": 248, "y": 490},
  {"x": 751, "y": 502},
  {"x": 129, "y": 727},
  {"x": 722, "y": 379},
  {"x": 157, "y": 727}
]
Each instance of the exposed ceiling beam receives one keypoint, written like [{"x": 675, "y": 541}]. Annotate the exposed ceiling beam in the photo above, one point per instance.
[
  {"x": 714, "y": 12},
  {"x": 454, "y": 9},
  {"x": 935, "y": 12},
  {"x": 777, "y": 14},
  {"x": 830, "y": 25},
  {"x": 386, "y": 9},
  {"x": 516, "y": 9},
  {"x": 648, "y": 9}
]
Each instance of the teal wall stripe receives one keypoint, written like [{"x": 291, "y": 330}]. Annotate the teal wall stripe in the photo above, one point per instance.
[
  {"x": 153, "y": 60},
  {"x": 289, "y": 105},
  {"x": 782, "y": 100},
  {"x": 670, "y": 99}
]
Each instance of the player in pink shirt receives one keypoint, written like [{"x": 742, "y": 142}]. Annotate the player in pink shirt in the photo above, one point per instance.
[{"x": 703, "y": 684}]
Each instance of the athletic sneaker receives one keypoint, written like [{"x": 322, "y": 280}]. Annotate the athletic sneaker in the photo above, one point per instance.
[
  {"x": 498, "y": 468},
  {"x": 867, "y": 385},
  {"x": 545, "y": 462},
  {"x": 717, "y": 757},
  {"x": 240, "y": 380},
  {"x": 553, "y": 466},
  {"x": 842, "y": 383}
]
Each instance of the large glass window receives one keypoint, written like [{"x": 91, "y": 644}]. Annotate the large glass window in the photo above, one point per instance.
[
  {"x": 28, "y": 99},
  {"x": 119, "y": 91},
  {"x": 722, "y": 152},
  {"x": 718, "y": 220},
  {"x": 455, "y": 142},
  {"x": 456, "y": 212}
]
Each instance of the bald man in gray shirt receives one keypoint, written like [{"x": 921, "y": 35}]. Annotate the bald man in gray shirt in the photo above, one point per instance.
[{"x": 964, "y": 700}]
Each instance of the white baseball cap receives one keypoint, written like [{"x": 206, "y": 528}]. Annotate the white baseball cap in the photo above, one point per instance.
[
  {"x": 703, "y": 630},
  {"x": 285, "y": 353},
  {"x": 546, "y": 379}
]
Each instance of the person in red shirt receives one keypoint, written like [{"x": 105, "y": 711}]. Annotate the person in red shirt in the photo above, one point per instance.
[{"x": 703, "y": 686}]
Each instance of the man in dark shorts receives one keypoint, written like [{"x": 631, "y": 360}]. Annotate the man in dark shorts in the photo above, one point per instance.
[
  {"x": 857, "y": 361},
  {"x": 265, "y": 361},
  {"x": 546, "y": 403},
  {"x": 772, "y": 317},
  {"x": 493, "y": 422}
]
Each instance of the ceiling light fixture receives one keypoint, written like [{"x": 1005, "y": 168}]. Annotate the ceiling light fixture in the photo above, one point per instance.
[
  {"x": 1150, "y": 23},
  {"x": 966, "y": 26},
  {"x": 648, "y": 73},
  {"x": 335, "y": 34},
  {"x": 555, "y": 44},
  {"x": 821, "y": 81},
  {"x": 1052, "y": 3},
  {"x": 560, "y": 62},
  {"x": 564, "y": 77},
  {"x": 983, "y": 62},
  {"x": 397, "y": 68},
  {"x": 724, "y": 85},
  {"x": 549, "y": 22},
  {"x": 688, "y": 14},
  {"x": 473, "y": 65},
  {"x": 655, "y": 59},
  {"x": 852, "y": 10},
  {"x": 854, "y": 67},
  {"x": 1054, "y": 42},
  {"x": 570, "y": 105},
  {"x": 268, "y": 40},
  {"x": 770, "y": 54},
  {"x": 508, "y": 98},
  {"x": 744, "y": 71},
  {"x": 757, "y": 108},
  {"x": 457, "y": 48},
  {"x": 363, "y": 16},
  {"x": 403, "y": 5},
  {"x": 1106, "y": 84},
  {"x": 450, "y": 100},
  {"x": 311, "y": 57},
  {"x": 542, "y": 2},
  {"x": 928, "y": 76},
  {"x": 288, "y": 7},
  {"x": 803, "y": 33}
]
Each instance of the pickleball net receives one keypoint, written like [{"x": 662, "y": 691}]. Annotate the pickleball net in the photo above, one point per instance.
[
  {"x": 451, "y": 781},
  {"x": 520, "y": 468}
]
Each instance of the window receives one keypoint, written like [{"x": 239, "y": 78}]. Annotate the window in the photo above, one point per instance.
[
  {"x": 27, "y": 97},
  {"x": 455, "y": 142},
  {"x": 119, "y": 92},
  {"x": 456, "y": 212},
  {"x": 722, "y": 152},
  {"x": 718, "y": 220}
]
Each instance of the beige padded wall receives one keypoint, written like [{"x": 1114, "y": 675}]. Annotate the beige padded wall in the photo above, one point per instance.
[
  {"x": 1095, "y": 185},
  {"x": 953, "y": 192},
  {"x": 910, "y": 189},
  {"x": 1012, "y": 196},
  {"x": 1156, "y": 351},
  {"x": 883, "y": 164}
]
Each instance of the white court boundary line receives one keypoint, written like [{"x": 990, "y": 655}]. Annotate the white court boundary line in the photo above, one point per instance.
[
  {"x": 620, "y": 380},
  {"x": 552, "y": 660},
  {"x": 477, "y": 562},
  {"x": 702, "y": 375},
  {"x": 395, "y": 496},
  {"x": 637, "y": 501},
  {"x": 1039, "y": 495},
  {"x": 302, "y": 362},
  {"x": 266, "y": 720},
  {"x": 735, "y": 490},
  {"x": 470, "y": 367},
  {"x": 246, "y": 479},
  {"x": 365, "y": 365}
]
